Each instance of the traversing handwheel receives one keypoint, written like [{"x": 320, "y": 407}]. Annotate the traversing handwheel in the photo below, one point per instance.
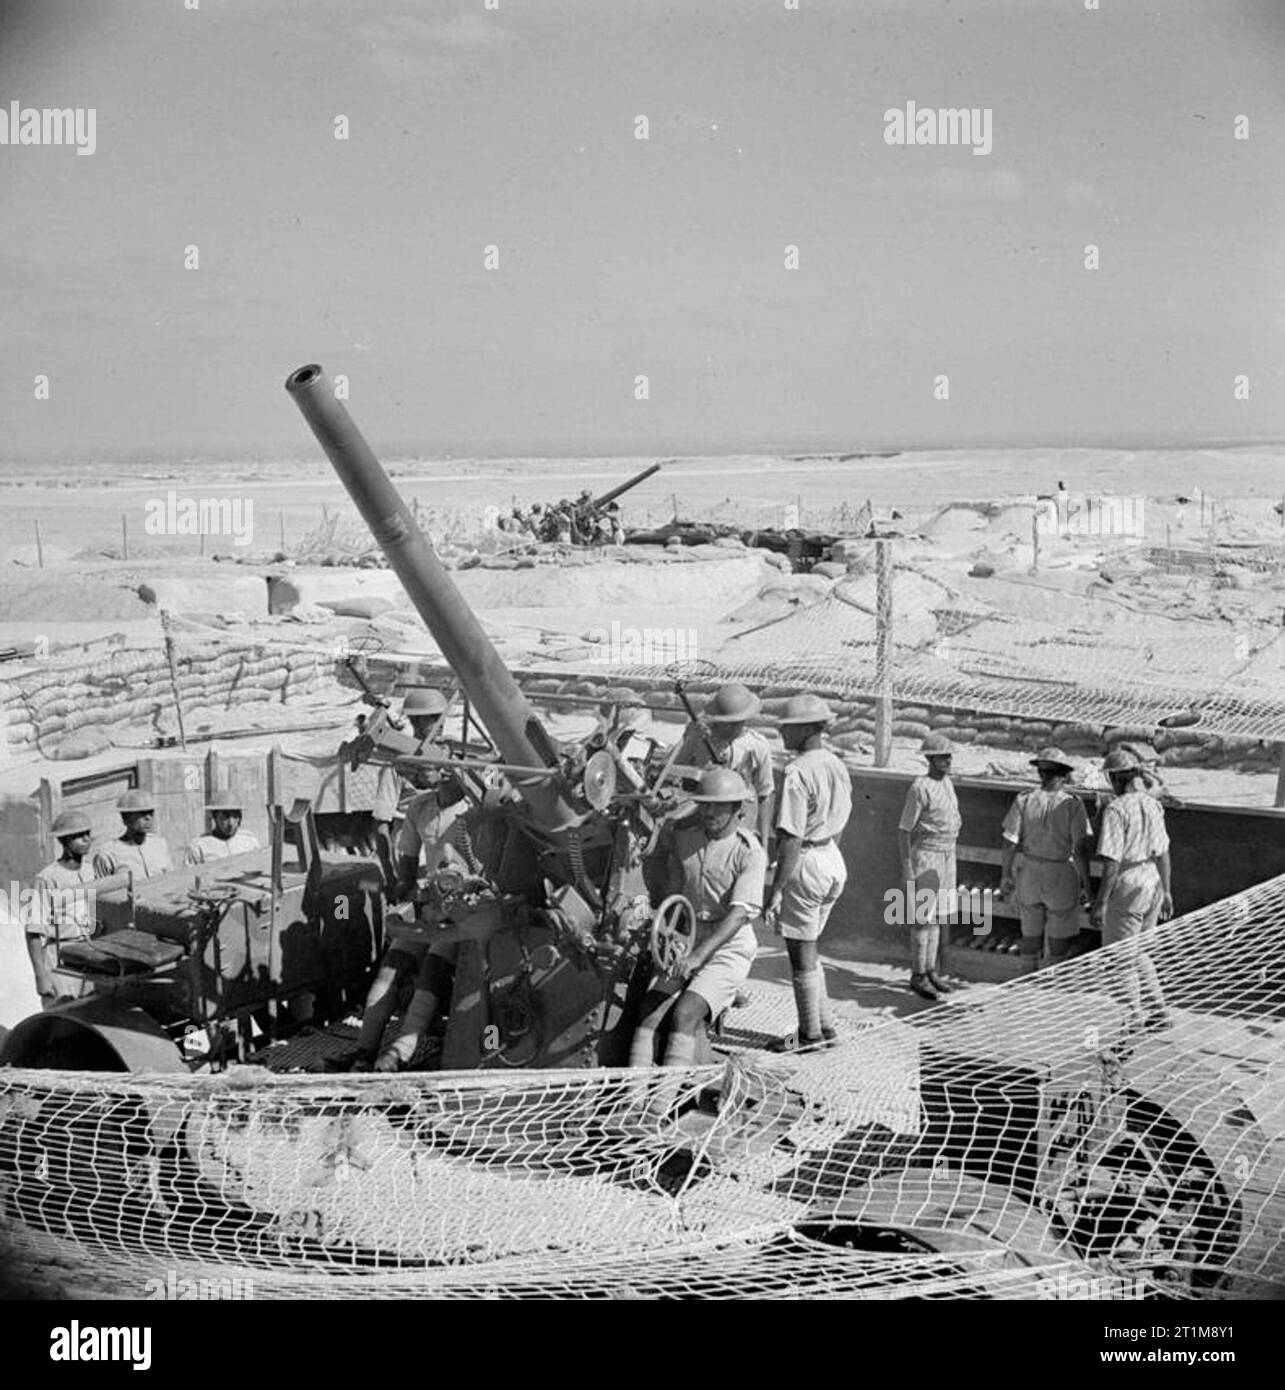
[{"x": 673, "y": 933}]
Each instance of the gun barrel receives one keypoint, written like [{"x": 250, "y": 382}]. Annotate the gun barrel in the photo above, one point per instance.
[
  {"x": 626, "y": 485},
  {"x": 496, "y": 696}
]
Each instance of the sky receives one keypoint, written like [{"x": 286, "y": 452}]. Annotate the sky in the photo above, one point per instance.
[{"x": 515, "y": 127}]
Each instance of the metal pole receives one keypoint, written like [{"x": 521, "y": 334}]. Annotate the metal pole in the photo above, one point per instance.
[
  {"x": 40, "y": 548},
  {"x": 883, "y": 659}
]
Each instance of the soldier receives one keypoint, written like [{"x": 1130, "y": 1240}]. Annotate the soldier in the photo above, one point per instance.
[
  {"x": 425, "y": 709},
  {"x": 724, "y": 729},
  {"x": 1049, "y": 829},
  {"x": 226, "y": 837},
  {"x": 1134, "y": 893},
  {"x": 139, "y": 850},
  {"x": 719, "y": 867},
  {"x": 61, "y": 910},
  {"x": 927, "y": 835},
  {"x": 425, "y": 838},
  {"x": 816, "y": 801}
]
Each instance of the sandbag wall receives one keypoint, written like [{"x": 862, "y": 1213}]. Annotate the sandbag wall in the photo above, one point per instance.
[
  {"x": 63, "y": 707},
  {"x": 855, "y": 724}
]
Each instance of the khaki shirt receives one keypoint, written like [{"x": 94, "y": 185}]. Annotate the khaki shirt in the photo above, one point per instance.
[
  {"x": 60, "y": 904},
  {"x": 427, "y": 831},
  {"x": 931, "y": 814},
  {"x": 816, "y": 796},
  {"x": 207, "y": 848},
  {"x": 1133, "y": 829},
  {"x": 147, "y": 860},
  {"x": 718, "y": 875},
  {"x": 748, "y": 753},
  {"x": 1048, "y": 825}
]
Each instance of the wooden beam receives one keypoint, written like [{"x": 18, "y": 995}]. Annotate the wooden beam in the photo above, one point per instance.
[{"x": 884, "y": 652}]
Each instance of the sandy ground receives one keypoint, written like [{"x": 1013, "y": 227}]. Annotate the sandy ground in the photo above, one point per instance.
[{"x": 82, "y": 507}]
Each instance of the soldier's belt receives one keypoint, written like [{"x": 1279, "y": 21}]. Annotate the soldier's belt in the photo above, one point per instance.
[
  {"x": 1044, "y": 859},
  {"x": 937, "y": 845},
  {"x": 816, "y": 844}
]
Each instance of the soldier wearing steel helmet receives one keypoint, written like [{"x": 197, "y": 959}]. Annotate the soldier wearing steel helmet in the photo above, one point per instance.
[
  {"x": 424, "y": 709},
  {"x": 139, "y": 850},
  {"x": 225, "y": 837},
  {"x": 1046, "y": 861},
  {"x": 1134, "y": 893},
  {"x": 927, "y": 834},
  {"x": 816, "y": 801},
  {"x": 723, "y": 738},
  {"x": 719, "y": 866},
  {"x": 61, "y": 909}
]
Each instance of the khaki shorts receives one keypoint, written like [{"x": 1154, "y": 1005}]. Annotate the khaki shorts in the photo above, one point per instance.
[
  {"x": 1048, "y": 898},
  {"x": 934, "y": 871},
  {"x": 810, "y": 896},
  {"x": 1134, "y": 904},
  {"x": 725, "y": 972}
]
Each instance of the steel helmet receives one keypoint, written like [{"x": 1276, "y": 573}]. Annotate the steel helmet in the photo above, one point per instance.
[
  {"x": 68, "y": 824},
  {"x": 423, "y": 699},
  {"x": 226, "y": 800},
  {"x": 1052, "y": 757},
  {"x": 732, "y": 704},
  {"x": 1117, "y": 760},
  {"x": 937, "y": 746},
  {"x": 806, "y": 709},
  {"x": 136, "y": 800},
  {"x": 721, "y": 784}
]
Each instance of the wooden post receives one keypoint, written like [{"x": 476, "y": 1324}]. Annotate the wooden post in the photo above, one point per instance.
[
  {"x": 124, "y": 537},
  {"x": 673, "y": 502},
  {"x": 883, "y": 658},
  {"x": 202, "y": 545},
  {"x": 281, "y": 528},
  {"x": 173, "y": 665},
  {"x": 1280, "y": 775},
  {"x": 1035, "y": 540},
  {"x": 40, "y": 546}
]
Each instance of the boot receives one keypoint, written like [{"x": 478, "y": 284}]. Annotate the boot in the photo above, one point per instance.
[
  {"x": 923, "y": 987},
  {"x": 939, "y": 984}
]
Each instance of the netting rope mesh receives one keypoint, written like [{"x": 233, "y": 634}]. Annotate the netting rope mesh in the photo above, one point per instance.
[
  {"x": 1030, "y": 1142},
  {"x": 1020, "y": 648}
]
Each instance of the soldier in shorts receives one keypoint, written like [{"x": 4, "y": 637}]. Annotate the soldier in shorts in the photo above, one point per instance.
[
  {"x": 1048, "y": 830},
  {"x": 1134, "y": 893},
  {"x": 816, "y": 801},
  {"x": 62, "y": 910},
  {"x": 719, "y": 867},
  {"x": 927, "y": 834}
]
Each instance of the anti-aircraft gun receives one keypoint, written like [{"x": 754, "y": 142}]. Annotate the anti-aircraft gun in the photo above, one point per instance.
[{"x": 554, "y": 917}]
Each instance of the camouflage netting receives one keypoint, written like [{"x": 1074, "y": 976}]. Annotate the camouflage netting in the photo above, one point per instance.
[
  {"x": 1028, "y": 651},
  {"x": 1028, "y": 1143}
]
